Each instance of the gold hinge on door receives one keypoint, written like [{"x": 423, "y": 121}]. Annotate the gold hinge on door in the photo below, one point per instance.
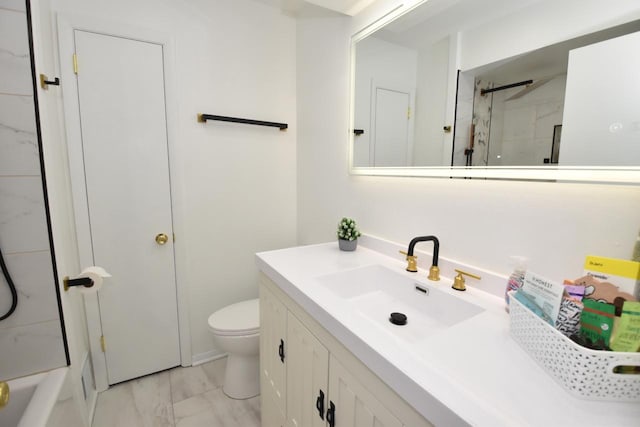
[
  {"x": 103, "y": 344},
  {"x": 75, "y": 63},
  {"x": 408, "y": 112}
]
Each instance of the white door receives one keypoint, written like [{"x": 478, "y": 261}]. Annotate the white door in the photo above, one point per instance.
[
  {"x": 307, "y": 376},
  {"x": 124, "y": 139},
  {"x": 391, "y": 128}
]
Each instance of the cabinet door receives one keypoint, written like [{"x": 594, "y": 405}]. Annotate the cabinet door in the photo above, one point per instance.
[
  {"x": 352, "y": 404},
  {"x": 307, "y": 376},
  {"x": 273, "y": 329},
  {"x": 270, "y": 414}
]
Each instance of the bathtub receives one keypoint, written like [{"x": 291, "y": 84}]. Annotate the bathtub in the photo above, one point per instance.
[{"x": 32, "y": 399}]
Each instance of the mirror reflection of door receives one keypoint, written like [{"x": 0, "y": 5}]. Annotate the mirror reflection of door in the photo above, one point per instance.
[{"x": 391, "y": 117}]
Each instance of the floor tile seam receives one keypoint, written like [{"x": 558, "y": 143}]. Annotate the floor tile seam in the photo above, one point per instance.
[
  {"x": 173, "y": 412},
  {"x": 209, "y": 407}
]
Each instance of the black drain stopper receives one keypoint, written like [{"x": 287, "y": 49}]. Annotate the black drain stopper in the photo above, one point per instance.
[{"x": 398, "y": 319}]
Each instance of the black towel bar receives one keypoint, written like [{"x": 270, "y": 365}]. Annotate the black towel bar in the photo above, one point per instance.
[{"x": 202, "y": 118}]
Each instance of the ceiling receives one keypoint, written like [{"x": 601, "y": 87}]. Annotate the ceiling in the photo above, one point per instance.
[{"x": 296, "y": 7}]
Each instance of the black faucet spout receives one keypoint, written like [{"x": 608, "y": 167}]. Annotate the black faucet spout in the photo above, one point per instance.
[{"x": 436, "y": 247}]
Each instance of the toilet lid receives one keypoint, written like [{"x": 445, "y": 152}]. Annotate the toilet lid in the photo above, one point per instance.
[{"x": 242, "y": 318}]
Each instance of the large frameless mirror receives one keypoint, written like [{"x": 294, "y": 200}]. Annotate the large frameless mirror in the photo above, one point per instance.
[{"x": 565, "y": 110}]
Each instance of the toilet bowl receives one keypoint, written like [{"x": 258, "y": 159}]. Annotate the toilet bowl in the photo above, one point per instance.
[{"x": 236, "y": 330}]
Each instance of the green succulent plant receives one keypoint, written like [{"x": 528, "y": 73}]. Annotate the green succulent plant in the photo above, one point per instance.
[{"x": 347, "y": 229}]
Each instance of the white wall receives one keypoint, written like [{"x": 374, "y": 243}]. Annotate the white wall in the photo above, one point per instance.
[
  {"x": 480, "y": 222},
  {"x": 236, "y": 184},
  {"x": 602, "y": 126},
  {"x": 431, "y": 98},
  {"x": 382, "y": 63},
  {"x": 31, "y": 338}
]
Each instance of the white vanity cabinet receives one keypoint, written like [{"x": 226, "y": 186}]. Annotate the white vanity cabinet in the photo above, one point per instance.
[
  {"x": 309, "y": 379},
  {"x": 273, "y": 326}
]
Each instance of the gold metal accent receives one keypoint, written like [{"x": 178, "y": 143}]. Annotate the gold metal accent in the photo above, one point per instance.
[
  {"x": 103, "y": 344},
  {"x": 65, "y": 283},
  {"x": 434, "y": 273},
  {"x": 174, "y": 237},
  {"x": 201, "y": 119},
  {"x": 447, "y": 129},
  {"x": 4, "y": 394},
  {"x": 43, "y": 85},
  {"x": 412, "y": 264},
  {"x": 408, "y": 113},
  {"x": 162, "y": 239},
  {"x": 458, "y": 281},
  {"x": 75, "y": 63}
]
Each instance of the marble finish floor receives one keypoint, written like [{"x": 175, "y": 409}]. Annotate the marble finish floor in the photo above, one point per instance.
[{"x": 180, "y": 397}]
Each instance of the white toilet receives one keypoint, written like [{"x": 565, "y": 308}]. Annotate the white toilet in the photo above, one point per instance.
[{"x": 236, "y": 329}]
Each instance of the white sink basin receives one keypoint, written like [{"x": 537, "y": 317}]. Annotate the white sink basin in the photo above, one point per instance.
[{"x": 375, "y": 292}]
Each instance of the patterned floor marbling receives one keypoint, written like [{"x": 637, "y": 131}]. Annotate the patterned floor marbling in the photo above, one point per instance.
[{"x": 180, "y": 397}]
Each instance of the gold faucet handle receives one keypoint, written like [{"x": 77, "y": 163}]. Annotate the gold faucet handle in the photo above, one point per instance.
[
  {"x": 412, "y": 264},
  {"x": 458, "y": 281},
  {"x": 4, "y": 394},
  {"x": 434, "y": 273}
]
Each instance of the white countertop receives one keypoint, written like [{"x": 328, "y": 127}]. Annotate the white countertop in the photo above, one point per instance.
[{"x": 471, "y": 373}]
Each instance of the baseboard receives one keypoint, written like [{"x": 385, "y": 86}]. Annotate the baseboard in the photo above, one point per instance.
[{"x": 199, "y": 359}]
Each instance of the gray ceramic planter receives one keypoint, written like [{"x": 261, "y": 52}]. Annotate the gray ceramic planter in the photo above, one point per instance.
[{"x": 347, "y": 245}]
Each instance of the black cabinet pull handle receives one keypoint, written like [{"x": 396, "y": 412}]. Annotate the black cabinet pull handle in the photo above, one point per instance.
[
  {"x": 320, "y": 405},
  {"x": 281, "y": 351},
  {"x": 331, "y": 414}
]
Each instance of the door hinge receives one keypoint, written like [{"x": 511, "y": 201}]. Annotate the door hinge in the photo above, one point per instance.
[
  {"x": 103, "y": 344},
  {"x": 174, "y": 237},
  {"x": 408, "y": 112},
  {"x": 75, "y": 63}
]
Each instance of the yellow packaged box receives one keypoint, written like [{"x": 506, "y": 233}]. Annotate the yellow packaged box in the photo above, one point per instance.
[{"x": 620, "y": 272}]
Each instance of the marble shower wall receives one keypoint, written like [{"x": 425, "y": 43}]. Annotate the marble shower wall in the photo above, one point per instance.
[
  {"x": 31, "y": 339},
  {"x": 482, "y": 105}
]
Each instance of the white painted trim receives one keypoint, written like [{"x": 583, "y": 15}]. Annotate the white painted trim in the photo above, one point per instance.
[
  {"x": 66, "y": 24},
  {"x": 207, "y": 356},
  {"x": 92, "y": 398}
]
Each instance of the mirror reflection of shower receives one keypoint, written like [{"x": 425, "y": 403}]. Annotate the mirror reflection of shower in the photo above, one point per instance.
[
  {"x": 510, "y": 113},
  {"x": 514, "y": 122}
]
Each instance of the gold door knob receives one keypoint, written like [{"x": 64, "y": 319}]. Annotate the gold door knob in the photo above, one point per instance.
[
  {"x": 162, "y": 239},
  {"x": 4, "y": 394}
]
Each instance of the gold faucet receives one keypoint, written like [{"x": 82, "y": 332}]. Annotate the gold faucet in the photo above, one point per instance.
[
  {"x": 434, "y": 270},
  {"x": 412, "y": 264},
  {"x": 458, "y": 281},
  {"x": 4, "y": 394}
]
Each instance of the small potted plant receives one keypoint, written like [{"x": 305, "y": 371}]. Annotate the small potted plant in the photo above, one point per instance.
[{"x": 348, "y": 234}]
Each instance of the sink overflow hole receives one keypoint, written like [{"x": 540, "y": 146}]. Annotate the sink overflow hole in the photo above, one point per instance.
[{"x": 421, "y": 289}]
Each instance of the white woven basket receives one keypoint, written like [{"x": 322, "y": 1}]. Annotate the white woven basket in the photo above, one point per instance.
[{"x": 586, "y": 373}]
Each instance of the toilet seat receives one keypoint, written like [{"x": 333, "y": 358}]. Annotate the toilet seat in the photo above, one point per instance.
[{"x": 240, "y": 319}]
